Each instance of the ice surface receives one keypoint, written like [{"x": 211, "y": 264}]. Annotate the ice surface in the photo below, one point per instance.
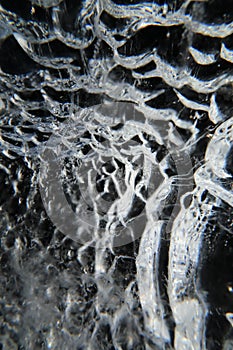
[{"x": 116, "y": 174}]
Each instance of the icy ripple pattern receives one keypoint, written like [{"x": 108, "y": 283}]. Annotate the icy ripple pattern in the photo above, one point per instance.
[{"x": 170, "y": 286}]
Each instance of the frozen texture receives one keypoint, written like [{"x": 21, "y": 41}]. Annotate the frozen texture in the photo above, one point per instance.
[{"x": 140, "y": 96}]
